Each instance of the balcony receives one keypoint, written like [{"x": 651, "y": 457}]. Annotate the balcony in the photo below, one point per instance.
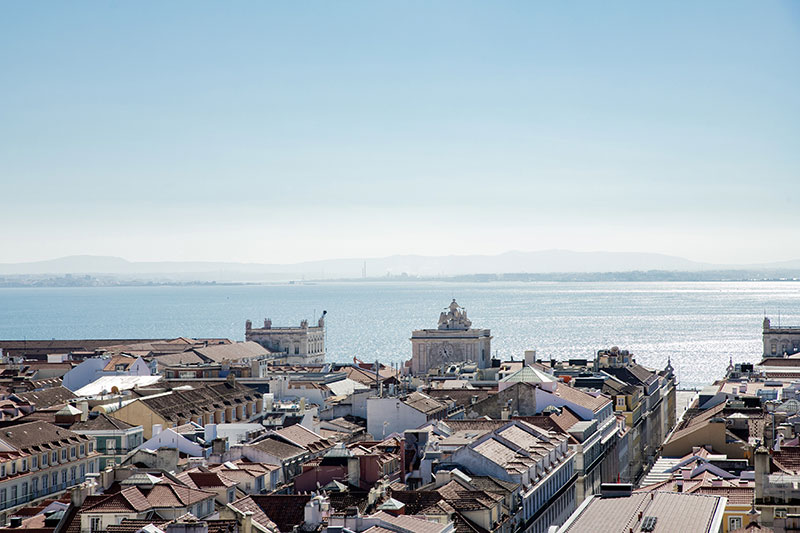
[{"x": 48, "y": 492}]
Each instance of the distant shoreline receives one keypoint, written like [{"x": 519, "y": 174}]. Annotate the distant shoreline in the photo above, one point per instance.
[{"x": 88, "y": 280}]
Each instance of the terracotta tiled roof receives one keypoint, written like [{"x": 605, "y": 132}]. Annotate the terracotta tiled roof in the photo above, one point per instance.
[
  {"x": 424, "y": 403},
  {"x": 462, "y": 397},
  {"x": 205, "y": 480},
  {"x": 101, "y": 422},
  {"x": 584, "y": 399},
  {"x": 284, "y": 511},
  {"x": 788, "y": 459},
  {"x": 305, "y": 438},
  {"x": 686, "y": 513},
  {"x": 29, "y": 434},
  {"x": 125, "y": 501},
  {"x": 45, "y": 398},
  {"x": 736, "y": 495},
  {"x": 342, "y": 500},
  {"x": 124, "y": 360},
  {"x": 278, "y": 448}
]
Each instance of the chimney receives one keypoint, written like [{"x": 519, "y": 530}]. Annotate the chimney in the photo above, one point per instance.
[
  {"x": 679, "y": 486},
  {"x": 312, "y": 514},
  {"x": 530, "y": 357},
  {"x": 219, "y": 446},
  {"x": 83, "y": 405},
  {"x": 761, "y": 471},
  {"x": 156, "y": 429},
  {"x": 210, "y": 432},
  {"x": 247, "y": 522},
  {"x": 77, "y": 495}
]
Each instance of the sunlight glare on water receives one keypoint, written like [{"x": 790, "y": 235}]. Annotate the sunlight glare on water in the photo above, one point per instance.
[{"x": 700, "y": 325}]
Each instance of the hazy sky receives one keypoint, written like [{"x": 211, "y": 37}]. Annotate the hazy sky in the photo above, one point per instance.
[{"x": 288, "y": 131}]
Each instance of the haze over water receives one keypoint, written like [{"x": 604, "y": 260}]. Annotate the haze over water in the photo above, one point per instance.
[{"x": 700, "y": 325}]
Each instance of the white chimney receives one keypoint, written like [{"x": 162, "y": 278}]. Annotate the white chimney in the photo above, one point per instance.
[
  {"x": 530, "y": 357},
  {"x": 210, "y": 432},
  {"x": 156, "y": 429},
  {"x": 312, "y": 514}
]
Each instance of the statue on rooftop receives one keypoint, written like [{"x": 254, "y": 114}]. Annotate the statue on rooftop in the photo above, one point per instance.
[{"x": 454, "y": 318}]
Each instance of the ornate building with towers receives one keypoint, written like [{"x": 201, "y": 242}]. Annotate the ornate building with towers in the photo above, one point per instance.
[
  {"x": 293, "y": 345},
  {"x": 454, "y": 340},
  {"x": 780, "y": 341}
]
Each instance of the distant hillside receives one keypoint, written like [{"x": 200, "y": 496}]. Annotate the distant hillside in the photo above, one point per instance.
[{"x": 541, "y": 262}]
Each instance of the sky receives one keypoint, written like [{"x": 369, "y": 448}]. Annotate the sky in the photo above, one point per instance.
[{"x": 280, "y": 132}]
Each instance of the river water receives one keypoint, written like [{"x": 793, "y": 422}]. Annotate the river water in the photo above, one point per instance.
[{"x": 700, "y": 325}]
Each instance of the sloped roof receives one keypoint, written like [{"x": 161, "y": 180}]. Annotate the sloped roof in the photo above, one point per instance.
[
  {"x": 232, "y": 352},
  {"x": 104, "y": 384},
  {"x": 113, "y": 362},
  {"x": 179, "y": 358},
  {"x": 101, "y": 422},
  {"x": 278, "y": 448},
  {"x": 528, "y": 374},
  {"x": 687, "y": 513},
  {"x": 42, "y": 399},
  {"x": 205, "y": 480},
  {"x": 584, "y": 399},
  {"x": 424, "y": 403},
  {"x": 282, "y": 511},
  {"x": 304, "y": 438},
  {"x": 31, "y": 434},
  {"x": 345, "y": 387}
]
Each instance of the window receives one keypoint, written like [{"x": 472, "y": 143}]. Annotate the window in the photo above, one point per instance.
[
  {"x": 620, "y": 401},
  {"x": 72, "y": 452},
  {"x": 13, "y": 467},
  {"x": 24, "y": 465},
  {"x": 63, "y": 454},
  {"x": 111, "y": 447},
  {"x": 83, "y": 450},
  {"x": 94, "y": 524},
  {"x": 2, "y": 470},
  {"x": 35, "y": 486},
  {"x": 14, "y": 495},
  {"x": 734, "y": 522},
  {"x": 83, "y": 471},
  {"x": 54, "y": 458},
  {"x": 64, "y": 476},
  {"x": 3, "y": 496},
  {"x": 44, "y": 459},
  {"x": 35, "y": 461},
  {"x": 72, "y": 473},
  {"x": 44, "y": 483},
  {"x": 55, "y": 479},
  {"x": 91, "y": 447}
]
